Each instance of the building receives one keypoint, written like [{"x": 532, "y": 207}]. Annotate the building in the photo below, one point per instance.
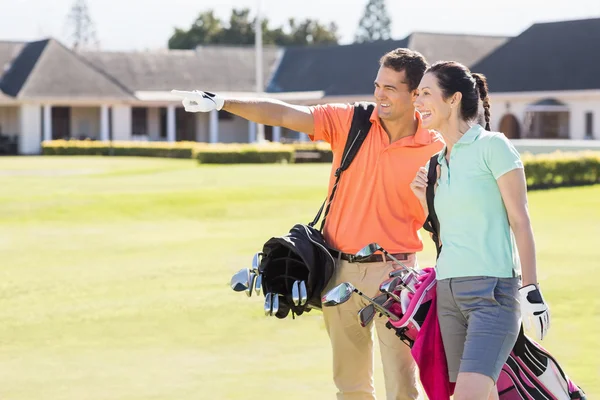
[{"x": 543, "y": 84}]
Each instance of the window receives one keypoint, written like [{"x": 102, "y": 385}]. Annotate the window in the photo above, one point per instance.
[
  {"x": 139, "y": 121},
  {"x": 589, "y": 125}
]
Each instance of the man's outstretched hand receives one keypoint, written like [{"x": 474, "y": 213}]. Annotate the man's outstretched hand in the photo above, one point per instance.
[{"x": 198, "y": 101}]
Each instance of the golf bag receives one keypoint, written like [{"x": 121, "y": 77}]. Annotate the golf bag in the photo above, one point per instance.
[
  {"x": 302, "y": 254},
  {"x": 413, "y": 307},
  {"x": 530, "y": 373}
]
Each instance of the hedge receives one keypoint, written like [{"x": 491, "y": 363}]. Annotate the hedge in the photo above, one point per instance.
[
  {"x": 313, "y": 152},
  {"x": 244, "y": 153},
  {"x": 542, "y": 170},
  {"x": 561, "y": 169},
  {"x": 118, "y": 148},
  {"x": 203, "y": 152}
]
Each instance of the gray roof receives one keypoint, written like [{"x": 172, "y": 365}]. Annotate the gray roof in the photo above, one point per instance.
[
  {"x": 547, "y": 56},
  {"x": 336, "y": 70},
  {"x": 466, "y": 49},
  {"x": 8, "y": 51},
  {"x": 18, "y": 63},
  {"x": 214, "y": 68},
  {"x": 47, "y": 69},
  {"x": 350, "y": 69}
]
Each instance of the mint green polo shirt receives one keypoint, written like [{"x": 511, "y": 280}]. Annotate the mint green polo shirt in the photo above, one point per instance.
[{"x": 474, "y": 228}]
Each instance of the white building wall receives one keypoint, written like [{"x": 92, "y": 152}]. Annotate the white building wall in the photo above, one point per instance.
[
  {"x": 577, "y": 118},
  {"x": 578, "y": 106},
  {"x": 30, "y": 121},
  {"x": 9, "y": 120},
  {"x": 121, "y": 122}
]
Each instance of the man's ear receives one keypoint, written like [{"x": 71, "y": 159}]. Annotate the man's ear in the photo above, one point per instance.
[{"x": 414, "y": 94}]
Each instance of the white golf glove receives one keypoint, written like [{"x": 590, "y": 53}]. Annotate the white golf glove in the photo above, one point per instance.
[
  {"x": 198, "y": 101},
  {"x": 534, "y": 311}
]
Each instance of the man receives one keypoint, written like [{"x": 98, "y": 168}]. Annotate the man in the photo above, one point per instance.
[{"x": 373, "y": 203}]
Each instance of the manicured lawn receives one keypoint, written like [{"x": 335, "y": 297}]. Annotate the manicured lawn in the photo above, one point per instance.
[{"x": 114, "y": 281}]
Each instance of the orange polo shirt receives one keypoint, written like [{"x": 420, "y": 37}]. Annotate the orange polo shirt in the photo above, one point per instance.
[{"x": 373, "y": 201}]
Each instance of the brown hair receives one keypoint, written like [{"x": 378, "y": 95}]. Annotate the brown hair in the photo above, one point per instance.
[
  {"x": 411, "y": 62},
  {"x": 454, "y": 77}
]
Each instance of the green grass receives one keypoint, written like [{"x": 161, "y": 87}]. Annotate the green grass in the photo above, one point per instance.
[{"x": 114, "y": 281}]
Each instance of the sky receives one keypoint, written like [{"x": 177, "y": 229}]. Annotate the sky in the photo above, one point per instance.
[{"x": 138, "y": 25}]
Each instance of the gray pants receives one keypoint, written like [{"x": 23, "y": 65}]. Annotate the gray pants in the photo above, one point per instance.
[{"x": 479, "y": 320}]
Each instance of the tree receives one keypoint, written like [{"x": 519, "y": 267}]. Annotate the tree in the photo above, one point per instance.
[
  {"x": 375, "y": 23},
  {"x": 82, "y": 32},
  {"x": 207, "y": 29}
]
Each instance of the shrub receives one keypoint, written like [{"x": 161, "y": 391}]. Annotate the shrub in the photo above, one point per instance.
[
  {"x": 561, "y": 169},
  {"x": 244, "y": 153},
  {"x": 118, "y": 148}
]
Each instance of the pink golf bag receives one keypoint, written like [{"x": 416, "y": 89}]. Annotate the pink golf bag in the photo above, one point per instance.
[
  {"x": 530, "y": 373},
  {"x": 414, "y": 307}
]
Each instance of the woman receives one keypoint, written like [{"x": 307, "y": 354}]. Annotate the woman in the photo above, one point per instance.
[{"x": 481, "y": 203}]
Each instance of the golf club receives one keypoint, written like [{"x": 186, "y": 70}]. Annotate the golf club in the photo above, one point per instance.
[
  {"x": 372, "y": 248},
  {"x": 367, "y": 313},
  {"x": 268, "y": 304},
  {"x": 240, "y": 281},
  {"x": 251, "y": 280},
  {"x": 275, "y": 303},
  {"x": 389, "y": 285},
  {"x": 256, "y": 261},
  {"x": 296, "y": 293},
  {"x": 258, "y": 284},
  {"x": 303, "y": 293},
  {"x": 342, "y": 293}
]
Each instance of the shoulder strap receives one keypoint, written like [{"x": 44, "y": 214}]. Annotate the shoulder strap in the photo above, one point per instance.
[
  {"x": 432, "y": 224},
  {"x": 361, "y": 124}
]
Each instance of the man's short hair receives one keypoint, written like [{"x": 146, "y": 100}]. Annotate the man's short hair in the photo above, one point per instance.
[{"x": 411, "y": 62}]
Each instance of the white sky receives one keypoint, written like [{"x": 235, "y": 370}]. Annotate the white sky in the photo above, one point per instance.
[{"x": 148, "y": 24}]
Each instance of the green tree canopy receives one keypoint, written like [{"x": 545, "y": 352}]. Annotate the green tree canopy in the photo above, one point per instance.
[{"x": 239, "y": 30}]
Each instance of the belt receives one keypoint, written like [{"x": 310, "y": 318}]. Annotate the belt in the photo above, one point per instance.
[{"x": 372, "y": 258}]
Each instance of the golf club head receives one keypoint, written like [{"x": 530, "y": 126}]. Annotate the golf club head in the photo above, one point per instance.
[
  {"x": 389, "y": 285},
  {"x": 387, "y": 304},
  {"x": 256, "y": 262},
  {"x": 368, "y": 250},
  {"x": 258, "y": 284},
  {"x": 381, "y": 299},
  {"x": 366, "y": 315},
  {"x": 268, "y": 304},
  {"x": 303, "y": 293},
  {"x": 338, "y": 295},
  {"x": 398, "y": 272},
  {"x": 240, "y": 280},
  {"x": 296, "y": 293},
  {"x": 251, "y": 280},
  {"x": 274, "y": 303}
]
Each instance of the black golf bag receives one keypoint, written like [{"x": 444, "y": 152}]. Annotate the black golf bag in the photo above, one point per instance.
[{"x": 302, "y": 254}]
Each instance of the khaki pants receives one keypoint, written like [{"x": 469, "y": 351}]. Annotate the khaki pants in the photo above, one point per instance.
[{"x": 352, "y": 344}]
